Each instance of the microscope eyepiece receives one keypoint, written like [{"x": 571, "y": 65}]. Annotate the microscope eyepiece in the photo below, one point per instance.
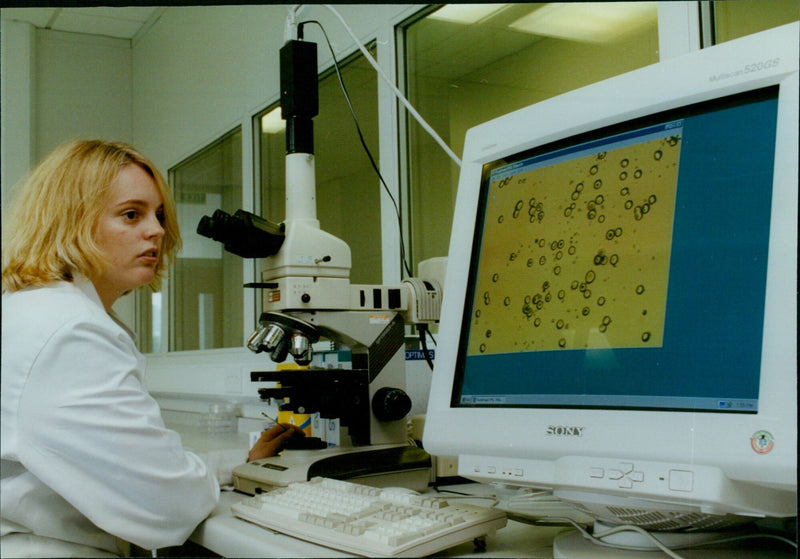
[{"x": 243, "y": 233}]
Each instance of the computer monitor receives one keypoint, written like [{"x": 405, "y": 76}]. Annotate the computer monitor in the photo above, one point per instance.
[{"x": 619, "y": 318}]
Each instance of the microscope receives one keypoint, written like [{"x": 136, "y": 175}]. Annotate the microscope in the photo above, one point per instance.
[{"x": 307, "y": 297}]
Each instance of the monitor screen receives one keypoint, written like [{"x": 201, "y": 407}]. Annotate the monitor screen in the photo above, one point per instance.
[{"x": 626, "y": 267}]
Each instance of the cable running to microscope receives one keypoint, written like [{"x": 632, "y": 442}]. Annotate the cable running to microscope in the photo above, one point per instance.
[{"x": 361, "y": 138}]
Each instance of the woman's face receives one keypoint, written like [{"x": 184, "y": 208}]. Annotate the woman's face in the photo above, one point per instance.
[{"x": 129, "y": 232}]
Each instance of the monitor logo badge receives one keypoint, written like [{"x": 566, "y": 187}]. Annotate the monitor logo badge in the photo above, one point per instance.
[
  {"x": 762, "y": 442},
  {"x": 564, "y": 430}
]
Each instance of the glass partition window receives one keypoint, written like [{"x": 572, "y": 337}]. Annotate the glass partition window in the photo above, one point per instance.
[
  {"x": 737, "y": 18},
  {"x": 206, "y": 294},
  {"x": 348, "y": 189},
  {"x": 148, "y": 315},
  {"x": 468, "y": 63}
]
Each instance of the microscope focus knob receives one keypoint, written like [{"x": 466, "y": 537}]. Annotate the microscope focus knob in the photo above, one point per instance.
[{"x": 390, "y": 404}]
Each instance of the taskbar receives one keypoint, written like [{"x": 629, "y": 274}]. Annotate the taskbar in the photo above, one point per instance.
[{"x": 666, "y": 403}]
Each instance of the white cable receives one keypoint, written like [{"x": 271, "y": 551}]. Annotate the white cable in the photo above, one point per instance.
[
  {"x": 597, "y": 537},
  {"x": 394, "y": 89},
  {"x": 290, "y": 24}
]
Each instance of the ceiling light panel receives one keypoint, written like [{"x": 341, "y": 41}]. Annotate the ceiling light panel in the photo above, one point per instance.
[
  {"x": 272, "y": 123},
  {"x": 592, "y": 22},
  {"x": 466, "y": 13}
]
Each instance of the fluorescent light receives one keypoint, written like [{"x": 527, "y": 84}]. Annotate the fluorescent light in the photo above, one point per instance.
[
  {"x": 592, "y": 22},
  {"x": 272, "y": 123},
  {"x": 466, "y": 13}
]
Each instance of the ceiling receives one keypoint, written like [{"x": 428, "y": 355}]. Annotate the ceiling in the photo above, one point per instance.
[{"x": 120, "y": 22}]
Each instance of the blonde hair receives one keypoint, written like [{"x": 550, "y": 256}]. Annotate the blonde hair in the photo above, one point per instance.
[{"x": 48, "y": 231}]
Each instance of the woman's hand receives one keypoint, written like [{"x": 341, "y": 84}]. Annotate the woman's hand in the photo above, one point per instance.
[{"x": 273, "y": 440}]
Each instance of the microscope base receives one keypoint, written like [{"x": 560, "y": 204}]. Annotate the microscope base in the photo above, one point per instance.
[{"x": 377, "y": 466}]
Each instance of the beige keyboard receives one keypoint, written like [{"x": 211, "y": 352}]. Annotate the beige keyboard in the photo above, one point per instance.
[{"x": 368, "y": 521}]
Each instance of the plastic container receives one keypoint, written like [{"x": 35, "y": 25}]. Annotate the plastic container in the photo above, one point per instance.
[{"x": 221, "y": 418}]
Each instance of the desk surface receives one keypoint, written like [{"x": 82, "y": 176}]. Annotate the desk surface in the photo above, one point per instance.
[{"x": 229, "y": 536}]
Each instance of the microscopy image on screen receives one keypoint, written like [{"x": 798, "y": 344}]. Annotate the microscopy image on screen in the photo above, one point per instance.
[{"x": 575, "y": 251}]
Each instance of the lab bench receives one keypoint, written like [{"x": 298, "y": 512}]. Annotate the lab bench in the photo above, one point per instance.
[
  {"x": 229, "y": 536},
  {"x": 224, "y": 534}
]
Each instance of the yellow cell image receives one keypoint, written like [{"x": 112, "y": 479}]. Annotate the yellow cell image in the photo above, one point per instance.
[{"x": 576, "y": 254}]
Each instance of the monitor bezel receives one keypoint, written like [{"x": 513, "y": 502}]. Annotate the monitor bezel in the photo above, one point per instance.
[{"x": 516, "y": 438}]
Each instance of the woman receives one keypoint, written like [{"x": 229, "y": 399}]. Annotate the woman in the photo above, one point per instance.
[{"x": 86, "y": 458}]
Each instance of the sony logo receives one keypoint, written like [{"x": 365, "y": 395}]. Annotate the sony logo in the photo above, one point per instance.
[{"x": 564, "y": 430}]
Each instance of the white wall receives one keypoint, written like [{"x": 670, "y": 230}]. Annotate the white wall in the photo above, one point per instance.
[
  {"x": 200, "y": 71},
  {"x": 58, "y": 86},
  {"x": 83, "y": 89},
  {"x": 16, "y": 93}
]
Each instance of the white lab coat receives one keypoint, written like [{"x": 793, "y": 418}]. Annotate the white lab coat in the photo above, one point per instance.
[{"x": 86, "y": 458}]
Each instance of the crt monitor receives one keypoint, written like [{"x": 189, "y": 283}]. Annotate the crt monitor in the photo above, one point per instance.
[{"x": 620, "y": 304}]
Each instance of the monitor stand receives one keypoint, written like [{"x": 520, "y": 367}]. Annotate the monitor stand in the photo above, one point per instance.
[{"x": 572, "y": 545}]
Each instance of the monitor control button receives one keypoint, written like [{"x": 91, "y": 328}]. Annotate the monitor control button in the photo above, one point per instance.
[
  {"x": 636, "y": 476},
  {"x": 681, "y": 480},
  {"x": 598, "y": 473},
  {"x": 615, "y": 474}
]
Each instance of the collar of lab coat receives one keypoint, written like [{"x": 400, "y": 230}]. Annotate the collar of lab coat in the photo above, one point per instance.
[{"x": 86, "y": 286}]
